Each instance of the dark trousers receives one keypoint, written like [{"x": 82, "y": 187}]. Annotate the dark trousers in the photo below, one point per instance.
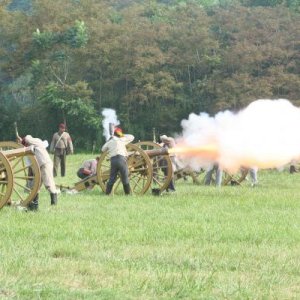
[
  {"x": 59, "y": 159},
  {"x": 171, "y": 185},
  {"x": 81, "y": 175},
  {"x": 209, "y": 173},
  {"x": 118, "y": 165}
]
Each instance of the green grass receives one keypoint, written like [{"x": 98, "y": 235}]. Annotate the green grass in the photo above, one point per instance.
[{"x": 200, "y": 243}]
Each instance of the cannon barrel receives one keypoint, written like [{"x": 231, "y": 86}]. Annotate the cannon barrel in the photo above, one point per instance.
[
  {"x": 19, "y": 152},
  {"x": 157, "y": 152}
]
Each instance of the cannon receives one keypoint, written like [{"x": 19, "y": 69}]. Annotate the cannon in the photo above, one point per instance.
[
  {"x": 198, "y": 177},
  {"x": 20, "y": 176},
  {"x": 149, "y": 167},
  {"x": 162, "y": 169}
]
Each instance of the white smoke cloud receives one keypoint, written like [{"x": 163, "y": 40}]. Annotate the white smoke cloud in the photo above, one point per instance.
[
  {"x": 110, "y": 116},
  {"x": 264, "y": 135}
]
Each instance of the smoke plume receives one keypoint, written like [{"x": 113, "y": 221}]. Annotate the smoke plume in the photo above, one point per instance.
[
  {"x": 263, "y": 135},
  {"x": 109, "y": 116}
]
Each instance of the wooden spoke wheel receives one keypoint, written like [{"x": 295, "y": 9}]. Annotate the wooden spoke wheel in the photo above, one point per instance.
[
  {"x": 140, "y": 171},
  {"x": 6, "y": 180},
  {"x": 161, "y": 164},
  {"x": 235, "y": 179},
  {"x": 26, "y": 175}
]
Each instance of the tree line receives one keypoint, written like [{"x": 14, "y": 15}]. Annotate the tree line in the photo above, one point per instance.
[{"x": 154, "y": 62}]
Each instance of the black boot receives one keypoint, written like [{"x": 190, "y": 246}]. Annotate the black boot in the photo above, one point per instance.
[
  {"x": 34, "y": 204},
  {"x": 293, "y": 169},
  {"x": 171, "y": 186},
  {"x": 126, "y": 188},
  {"x": 53, "y": 199},
  {"x": 108, "y": 188}
]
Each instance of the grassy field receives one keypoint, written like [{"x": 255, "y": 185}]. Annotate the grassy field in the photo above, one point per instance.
[{"x": 199, "y": 243}]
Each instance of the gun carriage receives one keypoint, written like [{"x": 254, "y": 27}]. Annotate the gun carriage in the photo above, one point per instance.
[
  {"x": 20, "y": 177},
  {"x": 198, "y": 177},
  {"x": 149, "y": 167},
  {"x": 235, "y": 179}
]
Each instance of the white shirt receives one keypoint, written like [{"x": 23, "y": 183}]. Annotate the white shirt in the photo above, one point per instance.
[
  {"x": 90, "y": 165},
  {"x": 41, "y": 154},
  {"x": 117, "y": 146}
]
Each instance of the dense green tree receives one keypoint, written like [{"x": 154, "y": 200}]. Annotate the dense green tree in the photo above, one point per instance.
[
  {"x": 154, "y": 62},
  {"x": 254, "y": 44}
]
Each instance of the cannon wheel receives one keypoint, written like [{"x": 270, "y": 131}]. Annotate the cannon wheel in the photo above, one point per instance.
[
  {"x": 6, "y": 180},
  {"x": 26, "y": 175},
  {"x": 235, "y": 179},
  {"x": 140, "y": 171},
  {"x": 161, "y": 164}
]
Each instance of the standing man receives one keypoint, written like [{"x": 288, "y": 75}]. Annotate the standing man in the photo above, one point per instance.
[
  {"x": 116, "y": 147},
  {"x": 253, "y": 176},
  {"x": 168, "y": 143},
  {"x": 61, "y": 146},
  {"x": 46, "y": 167},
  {"x": 293, "y": 166},
  {"x": 219, "y": 173}
]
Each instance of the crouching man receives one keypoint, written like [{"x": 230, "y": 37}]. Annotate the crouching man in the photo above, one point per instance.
[{"x": 89, "y": 168}]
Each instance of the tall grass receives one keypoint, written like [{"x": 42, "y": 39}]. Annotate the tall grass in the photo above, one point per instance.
[{"x": 199, "y": 243}]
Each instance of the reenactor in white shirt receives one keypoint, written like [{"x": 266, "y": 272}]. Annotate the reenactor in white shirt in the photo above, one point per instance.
[
  {"x": 46, "y": 168},
  {"x": 116, "y": 147}
]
